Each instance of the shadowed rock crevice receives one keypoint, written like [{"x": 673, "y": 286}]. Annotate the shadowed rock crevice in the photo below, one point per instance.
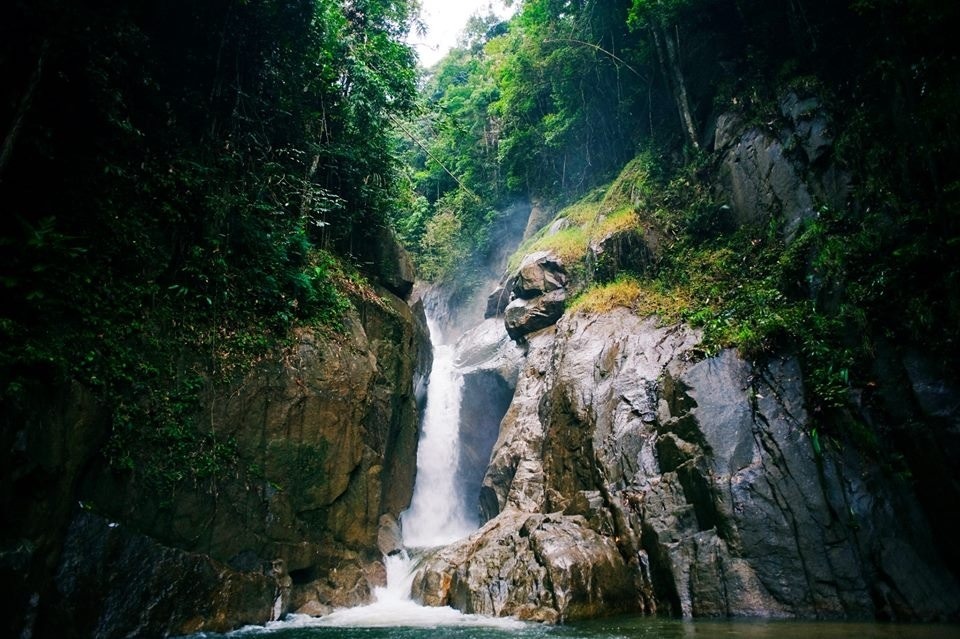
[{"x": 486, "y": 397}]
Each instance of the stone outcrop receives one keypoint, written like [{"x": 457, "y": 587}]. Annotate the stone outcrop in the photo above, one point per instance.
[
  {"x": 539, "y": 273},
  {"x": 628, "y": 250},
  {"x": 538, "y": 297},
  {"x": 535, "y": 567},
  {"x": 394, "y": 266},
  {"x": 692, "y": 485},
  {"x": 325, "y": 436},
  {"x": 786, "y": 173},
  {"x": 522, "y": 317}
]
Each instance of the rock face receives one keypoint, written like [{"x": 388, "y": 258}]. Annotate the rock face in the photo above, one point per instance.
[
  {"x": 325, "y": 434},
  {"x": 786, "y": 174},
  {"x": 630, "y": 474},
  {"x": 164, "y": 590},
  {"x": 489, "y": 362}
]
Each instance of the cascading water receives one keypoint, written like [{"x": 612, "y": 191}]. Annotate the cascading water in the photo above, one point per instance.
[{"x": 437, "y": 513}]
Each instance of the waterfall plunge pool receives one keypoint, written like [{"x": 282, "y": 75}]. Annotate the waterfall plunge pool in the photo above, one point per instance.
[
  {"x": 453, "y": 625},
  {"x": 438, "y": 515}
]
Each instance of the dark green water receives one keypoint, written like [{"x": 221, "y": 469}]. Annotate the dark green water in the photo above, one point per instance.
[{"x": 621, "y": 628}]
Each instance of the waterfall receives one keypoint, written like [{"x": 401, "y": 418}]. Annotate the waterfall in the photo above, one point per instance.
[
  {"x": 438, "y": 513},
  {"x": 437, "y": 516}
]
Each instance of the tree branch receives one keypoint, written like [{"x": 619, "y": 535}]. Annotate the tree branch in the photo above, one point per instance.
[
  {"x": 11, "y": 138},
  {"x": 614, "y": 56}
]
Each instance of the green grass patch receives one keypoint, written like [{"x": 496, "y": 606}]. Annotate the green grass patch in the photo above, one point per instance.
[
  {"x": 604, "y": 210},
  {"x": 644, "y": 297}
]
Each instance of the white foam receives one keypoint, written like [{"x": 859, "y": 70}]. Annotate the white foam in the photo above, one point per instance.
[{"x": 437, "y": 515}]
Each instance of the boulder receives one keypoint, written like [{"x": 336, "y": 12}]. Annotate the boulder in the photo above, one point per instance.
[
  {"x": 499, "y": 298},
  {"x": 539, "y": 273},
  {"x": 389, "y": 537},
  {"x": 536, "y": 567},
  {"x": 524, "y": 316}
]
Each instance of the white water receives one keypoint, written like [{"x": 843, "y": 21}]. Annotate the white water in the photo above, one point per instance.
[{"x": 437, "y": 513}]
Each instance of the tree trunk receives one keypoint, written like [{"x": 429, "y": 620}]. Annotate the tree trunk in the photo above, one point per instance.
[
  {"x": 10, "y": 140},
  {"x": 670, "y": 61}
]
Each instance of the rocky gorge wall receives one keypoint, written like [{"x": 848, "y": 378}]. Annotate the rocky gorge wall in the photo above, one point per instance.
[
  {"x": 326, "y": 434},
  {"x": 632, "y": 473}
]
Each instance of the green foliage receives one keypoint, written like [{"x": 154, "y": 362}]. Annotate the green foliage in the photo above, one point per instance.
[
  {"x": 210, "y": 185},
  {"x": 440, "y": 249}
]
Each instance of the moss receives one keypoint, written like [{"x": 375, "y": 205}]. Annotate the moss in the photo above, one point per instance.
[
  {"x": 570, "y": 245},
  {"x": 642, "y": 297},
  {"x": 604, "y": 210}
]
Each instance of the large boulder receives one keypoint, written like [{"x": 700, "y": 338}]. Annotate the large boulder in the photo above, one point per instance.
[
  {"x": 525, "y": 316},
  {"x": 498, "y": 300},
  {"x": 539, "y": 273},
  {"x": 536, "y": 567}
]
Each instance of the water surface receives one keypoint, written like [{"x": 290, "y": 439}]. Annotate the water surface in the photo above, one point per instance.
[{"x": 470, "y": 627}]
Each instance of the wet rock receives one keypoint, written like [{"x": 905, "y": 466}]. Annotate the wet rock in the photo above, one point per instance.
[
  {"x": 784, "y": 176},
  {"x": 539, "y": 273},
  {"x": 537, "y": 567},
  {"x": 165, "y": 591},
  {"x": 499, "y": 298},
  {"x": 514, "y": 476},
  {"x": 700, "y": 474},
  {"x": 325, "y": 435},
  {"x": 487, "y": 347},
  {"x": 762, "y": 182},
  {"x": 524, "y": 316},
  {"x": 489, "y": 362},
  {"x": 389, "y": 537},
  {"x": 314, "y": 609}
]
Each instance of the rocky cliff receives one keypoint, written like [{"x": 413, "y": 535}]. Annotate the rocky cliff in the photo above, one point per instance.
[
  {"x": 325, "y": 434},
  {"x": 631, "y": 473}
]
